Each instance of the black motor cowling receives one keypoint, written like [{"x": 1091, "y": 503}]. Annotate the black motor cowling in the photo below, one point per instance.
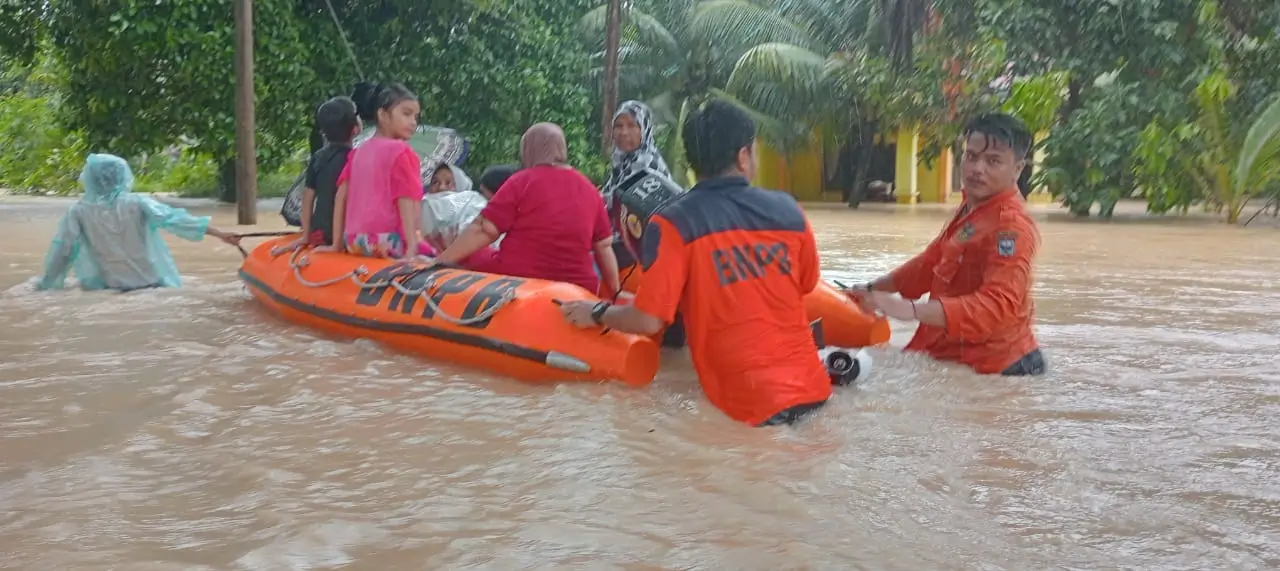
[{"x": 637, "y": 199}]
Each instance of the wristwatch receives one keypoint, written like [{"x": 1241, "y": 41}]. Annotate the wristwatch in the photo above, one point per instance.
[{"x": 597, "y": 312}]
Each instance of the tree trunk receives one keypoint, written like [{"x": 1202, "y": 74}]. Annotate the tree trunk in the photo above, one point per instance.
[
  {"x": 612, "y": 39},
  {"x": 227, "y": 174},
  {"x": 866, "y": 150},
  {"x": 246, "y": 155}
]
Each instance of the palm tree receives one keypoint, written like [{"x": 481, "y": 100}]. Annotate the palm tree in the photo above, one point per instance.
[
  {"x": 857, "y": 77},
  {"x": 675, "y": 54}
]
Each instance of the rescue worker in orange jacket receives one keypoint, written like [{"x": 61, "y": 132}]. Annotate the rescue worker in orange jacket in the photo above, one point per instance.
[
  {"x": 736, "y": 261},
  {"x": 977, "y": 272}
]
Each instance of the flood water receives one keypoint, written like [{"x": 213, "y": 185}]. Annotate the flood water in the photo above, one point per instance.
[{"x": 190, "y": 430}]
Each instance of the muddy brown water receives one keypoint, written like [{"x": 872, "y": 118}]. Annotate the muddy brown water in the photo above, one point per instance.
[{"x": 189, "y": 429}]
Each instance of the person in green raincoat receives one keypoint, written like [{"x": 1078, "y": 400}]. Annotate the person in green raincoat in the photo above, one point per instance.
[{"x": 111, "y": 236}]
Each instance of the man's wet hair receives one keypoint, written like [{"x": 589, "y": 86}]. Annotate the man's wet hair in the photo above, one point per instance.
[
  {"x": 1001, "y": 127},
  {"x": 714, "y": 135},
  {"x": 336, "y": 119}
]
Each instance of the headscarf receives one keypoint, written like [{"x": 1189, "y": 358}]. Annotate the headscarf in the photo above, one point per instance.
[
  {"x": 544, "y": 144},
  {"x": 461, "y": 182},
  {"x": 646, "y": 156},
  {"x": 105, "y": 178}
]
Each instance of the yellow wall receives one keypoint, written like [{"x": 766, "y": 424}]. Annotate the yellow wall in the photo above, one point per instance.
[
  {"x": 799, "y": 173},
  {"x": 934, "y": 181}
]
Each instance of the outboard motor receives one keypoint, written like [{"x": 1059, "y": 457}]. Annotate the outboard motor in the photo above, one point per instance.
[
  {"x": 637, "y": 199},
  {"x": 844, "y": 367}
]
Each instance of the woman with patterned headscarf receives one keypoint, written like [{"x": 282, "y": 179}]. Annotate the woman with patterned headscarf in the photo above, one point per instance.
[
  {"x": 634, "y": 148},
  {"x": 631, "y": 198},
  {"x": 111, "y": 236}
]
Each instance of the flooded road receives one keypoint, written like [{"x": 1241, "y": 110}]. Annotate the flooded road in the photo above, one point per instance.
[{"x": 191, "y": 430}]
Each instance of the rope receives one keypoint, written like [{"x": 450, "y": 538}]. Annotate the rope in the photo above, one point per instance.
[
  {"x": 354, "y": 275},
  {"x": 244, "y": 253},
  {"x": 623, "y": 279},
  {"x": 343, "y": 34}
]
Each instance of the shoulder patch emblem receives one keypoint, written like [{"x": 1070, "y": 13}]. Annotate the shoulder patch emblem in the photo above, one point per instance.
[
  {"x": 965, "y": 233},
  {"x": 634, "y": 227},
  {"x": 1006, "y": 244}
]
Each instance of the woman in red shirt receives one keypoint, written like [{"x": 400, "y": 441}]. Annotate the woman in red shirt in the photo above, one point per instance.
[{"x": 554, "y": 220}]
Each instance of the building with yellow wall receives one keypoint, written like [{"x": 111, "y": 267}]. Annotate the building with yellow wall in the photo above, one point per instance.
[{"x": 802, "y": 172}]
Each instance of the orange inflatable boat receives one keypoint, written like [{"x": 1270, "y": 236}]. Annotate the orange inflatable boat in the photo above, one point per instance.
[
  {"x": 844, "y": 324},
  {"x": 508, "y": 325}
]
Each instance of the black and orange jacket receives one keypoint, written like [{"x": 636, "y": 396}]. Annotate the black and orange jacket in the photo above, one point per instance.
[{"x": 736, "y": 261}]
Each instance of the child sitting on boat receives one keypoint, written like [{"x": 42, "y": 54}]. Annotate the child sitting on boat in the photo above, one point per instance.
[
  {"x": 446, "y": 177},
  {"x": 449, "y": 206},
  {"x": 110, "y": 236},
  {"x": 337, "y": 121},
  {"x": 377, "y": 210}
]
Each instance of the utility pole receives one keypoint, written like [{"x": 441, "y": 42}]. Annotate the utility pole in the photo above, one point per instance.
[
  {"x": 246, "y": 155},
  {"x": 612, "y": 37}
]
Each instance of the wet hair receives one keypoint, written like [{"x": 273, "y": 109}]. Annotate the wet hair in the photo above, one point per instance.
[
  {"x": 495, "y": 175},
  {"x": 336, "y": 119},
  {"x": 714, "y": 135},
  {"x": 1003, "y": 128}
]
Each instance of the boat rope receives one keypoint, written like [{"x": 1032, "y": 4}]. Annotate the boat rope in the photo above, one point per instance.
[
  {"x": 297, "y": 263},
  {"x": 244, "y": 253}
]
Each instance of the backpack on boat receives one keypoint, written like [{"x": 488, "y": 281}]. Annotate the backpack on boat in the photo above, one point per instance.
[{"x": 433, "y": 145}]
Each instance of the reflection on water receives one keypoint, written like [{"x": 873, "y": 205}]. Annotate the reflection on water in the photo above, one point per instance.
[{"x": 166, "y": 430}]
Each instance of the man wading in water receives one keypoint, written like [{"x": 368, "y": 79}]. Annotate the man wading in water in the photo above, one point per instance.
[
  {"x": 977, "y": 272},
  {"x": 737, "y": 261}
]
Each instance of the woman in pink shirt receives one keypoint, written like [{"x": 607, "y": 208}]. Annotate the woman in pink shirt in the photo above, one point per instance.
[
  {"x": 554, "y": 221},
  {"x": 376, "y": 211}
]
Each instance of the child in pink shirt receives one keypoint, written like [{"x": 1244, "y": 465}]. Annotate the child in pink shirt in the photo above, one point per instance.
[{"x": 376, "y": 212}]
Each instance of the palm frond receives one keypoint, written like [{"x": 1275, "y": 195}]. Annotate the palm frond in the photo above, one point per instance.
[
  {"x": 1261, "y": 142},
  {"x": 637, "y": 27},
  {"x": 780, "y": 80},
  {"x": 728, "y": 24},
  {"x": 835, "y": 24},
  {"x": 783, "y": 134}
]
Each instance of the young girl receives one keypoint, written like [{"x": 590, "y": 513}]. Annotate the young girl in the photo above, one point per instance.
[
  {"x": 377, "y": 209},
  {"x": 110, "y": 236}
]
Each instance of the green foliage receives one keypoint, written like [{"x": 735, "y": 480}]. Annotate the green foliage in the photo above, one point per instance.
[
  {"x": 39, "y": 155},
  {"x": 146, "y": 73},
  {"x": 1115, "y": 83},
  {"x": 676, "y": 54},
  {"x": 1208, "y": 158},
  {"x": 852, "y": 79},
  {"x": 1088, "y": 159},
  {"x": 1036, "y": 99}
]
